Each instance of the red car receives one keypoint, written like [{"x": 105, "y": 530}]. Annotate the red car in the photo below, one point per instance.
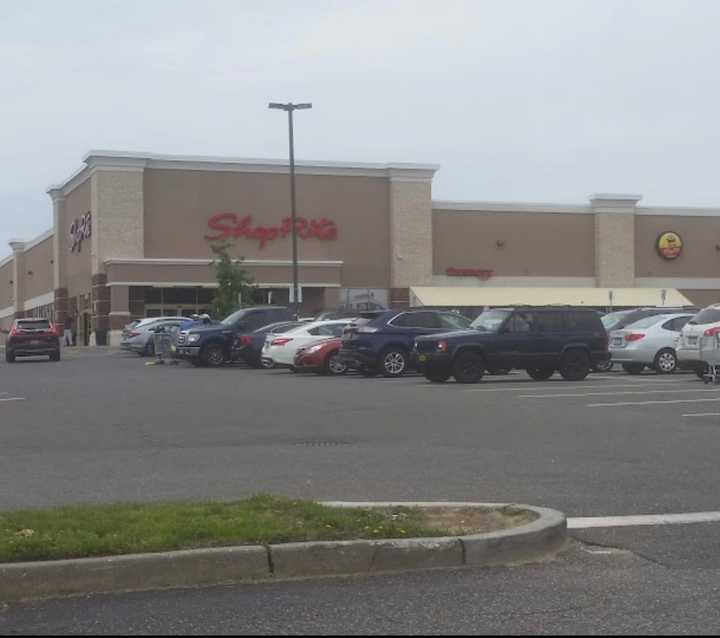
[
  {"x": 321, "y": 357},
  {"x": 32, "y": 338}
]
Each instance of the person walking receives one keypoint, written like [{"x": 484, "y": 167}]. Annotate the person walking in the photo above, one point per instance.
[{"x": 68, "y": 331}]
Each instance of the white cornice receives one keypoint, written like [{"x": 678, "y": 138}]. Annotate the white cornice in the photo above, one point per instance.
[
  {"x": 208, "y": 262},
  {"x": 6, "y": 260},
  {"x": 510, "y": 207},
  {"x": 678, "y": 212},
  {"x": 40, "y": 239}
]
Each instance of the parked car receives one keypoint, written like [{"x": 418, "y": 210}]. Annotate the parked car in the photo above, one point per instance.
[
  {"x": 541, "y": 340},
  {"x": 383, "y": 345},
  {"x": 650, "y": 342},
  {"x": 32, "y": 338},
  {"x": 138, "y": 336},
  {"x": 622, "y": 318},
  {"x": 280, "y": 351},
  {"x": 705, "y": 324},
  {"x": 322, "y": 357},
  {"x": 350, "y": 314},
  {"x": 249, "y": 347},
  {"x": 213, "y": 345}
]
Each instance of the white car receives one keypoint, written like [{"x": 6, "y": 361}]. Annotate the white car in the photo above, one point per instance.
[
  {"x": 649, "y": 342},
  {"x": 280, "y": 350},
  {"x": 704, "y": 325}
]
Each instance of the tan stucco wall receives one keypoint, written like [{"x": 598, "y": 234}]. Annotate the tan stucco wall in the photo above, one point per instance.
[
  {"x": 6, "y": 288},
  {"x": 700, "y": 256},
  {"x": 702, "y": 298},
  {"x": 536, "y": 244},
  {"x": 411, "y": 227},
  {"x": 38, "y": 260},
  {"x": 76, "y": 271},
  {"x": 178, "y": 205}
]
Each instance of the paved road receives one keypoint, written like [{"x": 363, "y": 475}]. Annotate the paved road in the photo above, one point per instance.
[
  {"x": 104, "y": 427},
  {"x": 589, "y": 590}
]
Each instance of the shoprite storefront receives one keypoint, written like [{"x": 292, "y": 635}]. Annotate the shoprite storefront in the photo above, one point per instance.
[{"x": 132, "y": 237}]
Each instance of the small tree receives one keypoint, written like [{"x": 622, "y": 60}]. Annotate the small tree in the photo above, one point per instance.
[{"x": 234, "y": 283}]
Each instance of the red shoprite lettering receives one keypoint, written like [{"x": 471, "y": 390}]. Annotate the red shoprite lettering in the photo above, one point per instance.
[{"x": 232, "y": 226}]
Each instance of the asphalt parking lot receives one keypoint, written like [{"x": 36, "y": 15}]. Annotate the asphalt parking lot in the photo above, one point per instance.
[{"x": 102, "y": 426}]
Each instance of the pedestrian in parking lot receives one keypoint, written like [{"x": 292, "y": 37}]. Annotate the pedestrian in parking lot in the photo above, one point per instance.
[{"x": 68, "y": 331}]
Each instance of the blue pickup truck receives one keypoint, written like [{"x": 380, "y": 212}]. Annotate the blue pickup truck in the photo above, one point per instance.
[{"x": 213, "y": 345}]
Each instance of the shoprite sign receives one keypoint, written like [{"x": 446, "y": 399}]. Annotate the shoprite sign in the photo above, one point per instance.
[{"x": 232, "y": 226}]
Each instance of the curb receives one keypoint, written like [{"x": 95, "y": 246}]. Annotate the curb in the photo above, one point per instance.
[{"x": 538, "y": 540}]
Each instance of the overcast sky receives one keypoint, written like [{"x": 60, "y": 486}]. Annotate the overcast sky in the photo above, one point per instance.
[{"x": 517, "y": 100}]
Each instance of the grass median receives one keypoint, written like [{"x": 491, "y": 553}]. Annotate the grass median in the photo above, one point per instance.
[{"x": 112, "y": 530}]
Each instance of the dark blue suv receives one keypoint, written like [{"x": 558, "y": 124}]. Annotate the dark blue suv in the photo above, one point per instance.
[{"x": 384, "y": 345}]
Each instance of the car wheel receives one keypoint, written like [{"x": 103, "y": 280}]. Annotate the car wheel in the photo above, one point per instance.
[
  {"x": 603, "y": 366},
  {"x": 9, "y": 357},
  {"x": 575, "y": 365},
  {"x": 665, "y": 361},
  {"x": 436, "y": 376},
  {"x": 213, "y": 356},
  {"x": 334, "y": 365},
  {"x": 393, "y": 362},
  {"x": 468, "y": 367},
  {"x": 633, "y": 368},
  {"x": 540, "y": 374}
]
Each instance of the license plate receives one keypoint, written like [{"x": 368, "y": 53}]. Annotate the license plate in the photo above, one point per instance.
[{"x": 617, "y": 342}]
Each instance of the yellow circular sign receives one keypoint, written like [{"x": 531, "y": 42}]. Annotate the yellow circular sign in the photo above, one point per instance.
[{"x": 669, "y": 245}]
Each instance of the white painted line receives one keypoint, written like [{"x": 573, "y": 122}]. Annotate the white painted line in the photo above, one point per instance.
[
  {"x": 13, "y": 399},
  {"x": 548, "y": 387},
  {"x": 639, "y": 521},
  {"x": 630, "y": 403},
  {"x": 687, "y": 416},
  {"x": 617, "y": 394}
]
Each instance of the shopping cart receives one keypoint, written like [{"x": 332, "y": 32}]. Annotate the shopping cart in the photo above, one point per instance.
[
  {"x": 710, "y": 356},
  {"x": 164, "y": 342}
]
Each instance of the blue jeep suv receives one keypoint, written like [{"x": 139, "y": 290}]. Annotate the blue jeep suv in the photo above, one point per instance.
[{"x": 384, "y": 345}]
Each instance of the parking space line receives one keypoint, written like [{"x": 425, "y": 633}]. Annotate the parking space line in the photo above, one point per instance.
[
  {"x": 688, "y": 416},
  {"x": 617, "y": 394},
  {"x": 12, "y": 399},
  {"x": 632, "y": 403},
  {"x": 546, "y": 387},
  {"x": 643, "y": 520}
]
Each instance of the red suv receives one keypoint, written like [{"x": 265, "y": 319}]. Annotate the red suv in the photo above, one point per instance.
[{"x": 32, "y": 338}]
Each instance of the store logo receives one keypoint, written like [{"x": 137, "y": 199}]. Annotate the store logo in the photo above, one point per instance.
[
  {"x": 669, "y": 245},
  {"x": 232, "y": 226},
  {"x": 480, "y": 273},
  {"x": 80, "y": 230}
]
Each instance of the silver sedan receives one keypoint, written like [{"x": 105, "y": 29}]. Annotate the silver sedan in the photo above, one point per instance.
[{"x": 650, "y": 342}]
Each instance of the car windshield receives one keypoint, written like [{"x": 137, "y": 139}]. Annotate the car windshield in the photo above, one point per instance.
[
  {"x": 614, "y": 319},
  {"x": 234, "y": 318},
  {"x": 490, "y": 320},
  {"x": 709, "y": 315},
  {"x": 37, "y": 324}
]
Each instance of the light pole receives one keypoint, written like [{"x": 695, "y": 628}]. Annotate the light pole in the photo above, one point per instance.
[{"x": 291, "y": 108}]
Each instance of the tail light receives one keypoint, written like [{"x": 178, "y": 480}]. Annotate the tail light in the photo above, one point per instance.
[
  {"x": 442, "y": 346},
  {"x": 280, "y": 342},
  {"x": 245, "y": 340},
  {"x": 635, "y": 336},
  {"x": 134, "y": 334},
  {"x": 712, "y": 332}
]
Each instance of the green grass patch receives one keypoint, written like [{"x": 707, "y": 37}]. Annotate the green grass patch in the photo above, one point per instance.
[{"x": 111, "y": 530}]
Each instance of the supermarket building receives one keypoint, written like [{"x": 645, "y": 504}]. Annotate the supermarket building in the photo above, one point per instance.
[{"x": 132, "y": 236}]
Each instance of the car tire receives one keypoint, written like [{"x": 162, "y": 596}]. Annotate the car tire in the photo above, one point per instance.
[
  {"x": 334, "y": 366},
  {"x": 540, "y": 374},
  {"x": 575, "y": 365},
  {"x": 437, "y": 376},
  {"x": 55, "y": 356},
  {"x": 393, "y": 362},
  {"x": 9, "y": 357},
  {"x": 633, "y": 368},
  {"x": 665, "y": 361},
  {"x": 213, "y": 356},
  {"x": 468, "y": 367}
]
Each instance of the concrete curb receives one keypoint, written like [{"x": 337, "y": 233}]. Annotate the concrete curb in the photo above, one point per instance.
[{"x": 538, "y": 540}]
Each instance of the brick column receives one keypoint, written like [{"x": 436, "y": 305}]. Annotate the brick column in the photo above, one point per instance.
[
  {"x": 119, "y": 312},
  {"x": 61, "y": 307},
  {"x": 100, "y": 309},
  {"x": 615, "y": 240},
  {"x": 18, "y": 248}
]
